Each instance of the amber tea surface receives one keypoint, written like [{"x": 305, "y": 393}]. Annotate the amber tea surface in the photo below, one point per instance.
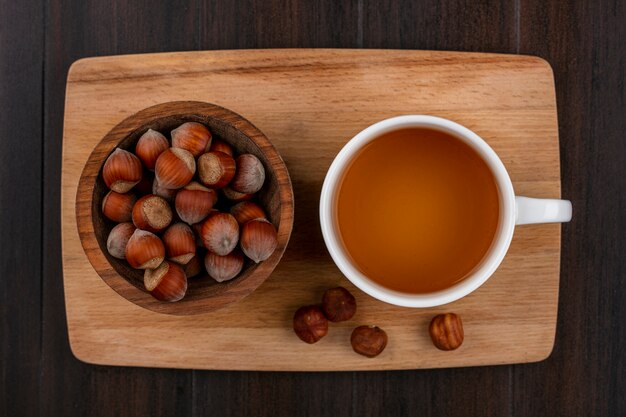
[{"x": 417, "y": 210}]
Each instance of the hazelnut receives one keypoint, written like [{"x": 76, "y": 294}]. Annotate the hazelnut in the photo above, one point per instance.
[
  {"x": 144, "y": 250},
  {"x": 149, "y": 146},
  {"x": 216, "y": 169},
  {"x": 167, "y": 282},
  {"x": 223, "y": 268},
  {"x": 180, "y": 243},
  {"x": 368, "y": 341},
  {"x": 118, "y": 239},
  {"x": 174, "y": 168},
  {"x": 236, "y": 196},
  {"x": 310, "y": 324},
  {"x": 220, "y": 233},
  {"x": 338, "y": 304},
  {"x": 246, "y": 211},
  {"x": 192, "y": 137},
  {"x": 167, "y": 193},
  {"x": 121, "y": 171},
  {"x": 118, "y": 207},
  {"x": 446, "y": 331},
  {"x": 193, "y": 267},
  {"x": 152, "y": 213},
  {"x": 194, "y": 202},
  {"x": 250, "y": 174},
  {"x": 258, "y": 239},
  {"x": 220, "y": 146}
]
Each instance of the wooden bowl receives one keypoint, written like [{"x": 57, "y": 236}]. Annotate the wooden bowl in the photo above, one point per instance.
[{"x": 203, "y": 294}]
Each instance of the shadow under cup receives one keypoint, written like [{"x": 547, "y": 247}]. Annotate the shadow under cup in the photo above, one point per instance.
[{"x": 357, "y": 264}]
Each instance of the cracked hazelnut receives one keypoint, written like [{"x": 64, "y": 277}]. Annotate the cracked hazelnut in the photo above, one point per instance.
[
  {"x": 310, "y": 324},
  {"x": 338, "y": 304},
  {"x": 446, "y": 331},
  {"x": 368, "y": 341}
]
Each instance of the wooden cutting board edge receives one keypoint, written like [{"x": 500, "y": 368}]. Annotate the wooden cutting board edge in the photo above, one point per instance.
[{"x": 81, "y": 354}]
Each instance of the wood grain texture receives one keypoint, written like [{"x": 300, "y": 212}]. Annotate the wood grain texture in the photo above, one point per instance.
[
  {"x": 203, "y": 293},
  {"x": 309, "y": 103},
  {"x": 20, "y": 207},
  {"x": 582, "y": 40},
  {"x": 74, "y": 29},
  {"x": 586, "y": 374}
]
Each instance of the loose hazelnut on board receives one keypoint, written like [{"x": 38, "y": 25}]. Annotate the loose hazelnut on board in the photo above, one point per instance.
[
  {"x": 220, "y": 233},
  {"x": 250, "y": 174},
  {"x": 180, "y": 243},
  {"x": 144, "y": 250},
  {"x": 368, "y": 341},
  {"x": 121, "y": 171},
  {"x": 167, "y": 282},
  {"x": 223, "y": 268},
  {"x": 216, "y": 169},
  {"x": 118, "y": 239},
  {"x": 193, "y": 267},
  {"x": 194, "y": 202},
  {"x": 446, "y": 331},
  {"x": 258, "y": 239},
  {"x": 152, "y": 213},
  {"x": 118, "y": 207},
  {"x": 310, "y": 324},
  {"x": 246, "y": 211},
  {"x": 338, "y": 304},
  {"x": 193, "y": 137},
  {"x": 149, "y": 146},
  {"x": 167, "y": 193},
  {"x": 220, "y": 146},
  {"x": 175, "y": 168},
  {"x": 236, "y": 196}
]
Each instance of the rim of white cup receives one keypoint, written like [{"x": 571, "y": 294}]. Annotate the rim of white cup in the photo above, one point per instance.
[{"x": 479, "y": 275}]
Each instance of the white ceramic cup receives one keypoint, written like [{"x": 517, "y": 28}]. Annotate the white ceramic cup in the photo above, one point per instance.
[{"x": 513, "y": 211}]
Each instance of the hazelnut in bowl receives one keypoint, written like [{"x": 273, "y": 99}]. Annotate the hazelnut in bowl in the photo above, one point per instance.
[{"x": 184, "y": 208}]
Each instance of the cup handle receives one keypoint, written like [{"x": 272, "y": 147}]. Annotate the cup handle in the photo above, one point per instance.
[{"x": 542, "y": 210}]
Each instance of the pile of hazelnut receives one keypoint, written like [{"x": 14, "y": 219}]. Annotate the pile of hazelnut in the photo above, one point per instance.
[
  {"x": 163, "y": 198},
  {"x": 310, "y": 323}
]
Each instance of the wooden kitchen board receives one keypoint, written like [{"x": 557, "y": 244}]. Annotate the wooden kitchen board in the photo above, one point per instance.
[{"x": 309, "y": 103}]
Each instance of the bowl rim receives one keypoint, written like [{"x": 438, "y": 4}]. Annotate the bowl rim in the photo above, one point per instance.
[{"x": 236, "y": 290}]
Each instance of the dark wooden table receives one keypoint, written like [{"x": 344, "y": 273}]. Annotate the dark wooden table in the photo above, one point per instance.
[{"x": 583, "y": 40}]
